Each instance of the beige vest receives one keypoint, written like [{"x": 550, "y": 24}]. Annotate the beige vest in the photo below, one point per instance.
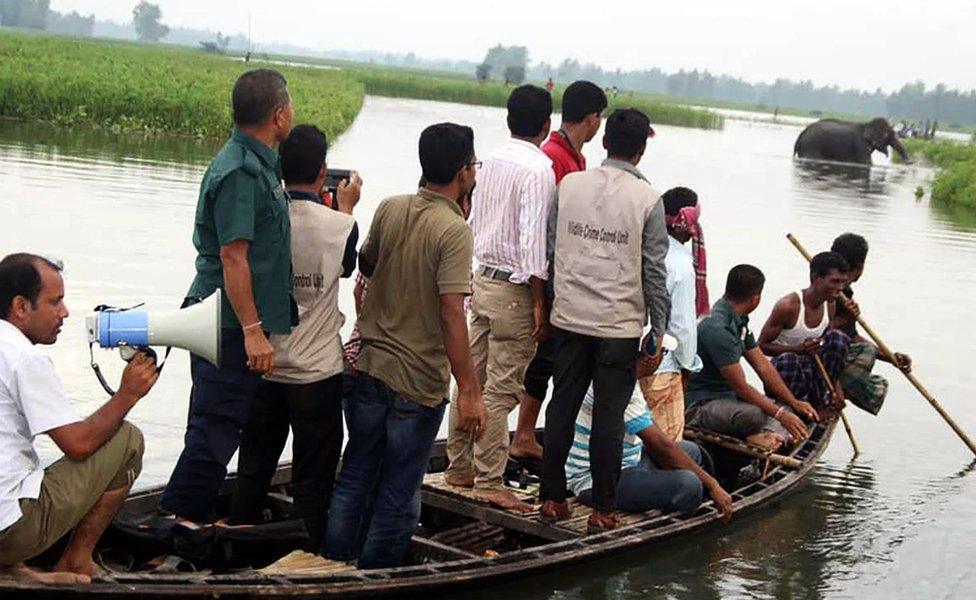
[
  {"x": 313, "y": 349},
  {"x": 599, "y": 236}
]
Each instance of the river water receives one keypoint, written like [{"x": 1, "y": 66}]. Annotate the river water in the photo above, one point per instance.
[{"x": 898, "y": 522}]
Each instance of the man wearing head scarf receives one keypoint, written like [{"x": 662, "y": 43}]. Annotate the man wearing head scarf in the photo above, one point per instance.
[{"x": 664, "y": 390}]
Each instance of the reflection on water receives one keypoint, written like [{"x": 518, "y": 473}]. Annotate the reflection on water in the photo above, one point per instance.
[{"x": 900, "y": 522}]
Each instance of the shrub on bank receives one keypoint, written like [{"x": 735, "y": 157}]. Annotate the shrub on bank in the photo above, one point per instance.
[
  {"x": 955, "y": 183},
  {"x": 124, "y": 86}
]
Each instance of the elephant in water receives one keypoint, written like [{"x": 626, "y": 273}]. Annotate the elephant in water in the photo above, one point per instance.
[{"x": 846, "y": 141}]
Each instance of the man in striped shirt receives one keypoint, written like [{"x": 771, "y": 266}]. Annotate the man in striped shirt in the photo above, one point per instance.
[{"x": 509, "y": 210}]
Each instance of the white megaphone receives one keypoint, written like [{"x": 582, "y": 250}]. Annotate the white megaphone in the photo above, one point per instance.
[{"x": 195, "y": 328}]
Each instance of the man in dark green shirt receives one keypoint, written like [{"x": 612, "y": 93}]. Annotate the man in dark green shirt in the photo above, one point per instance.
[
  {"x": 718, "y": 397},
  {"x": 242, "y": 236}
]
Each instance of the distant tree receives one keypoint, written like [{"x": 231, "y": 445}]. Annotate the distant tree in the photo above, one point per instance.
[
  {"x": 73, "y": 24},
  {"x": 501, "y": 58},
  {"x": 482, "y": 72},
  {"x": 30, "y": 14},
  {"x": 146, "y": 18},
  {"x": 223, "y": 41},
  {"x": 514, "y": 75}
]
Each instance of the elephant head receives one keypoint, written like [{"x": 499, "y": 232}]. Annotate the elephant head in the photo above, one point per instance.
[{"x": 880, "y": 135}]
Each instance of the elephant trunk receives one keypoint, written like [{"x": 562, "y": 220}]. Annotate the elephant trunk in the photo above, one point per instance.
[{"x": 896, "y": 144}]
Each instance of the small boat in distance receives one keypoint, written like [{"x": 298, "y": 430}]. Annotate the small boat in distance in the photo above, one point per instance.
[{"x": 461, "y": 541}]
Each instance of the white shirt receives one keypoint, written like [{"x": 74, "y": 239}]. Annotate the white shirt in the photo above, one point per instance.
[
  {"x": 682, "y": 322},
  {"x": 509, "y": 208},
  {"x": 31, "y": 403}
]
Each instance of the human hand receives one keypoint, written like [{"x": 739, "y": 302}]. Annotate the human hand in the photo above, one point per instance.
[
  {"x": 651, "y": 360},
  {"x": 260, "y": 352},
  {"x": 838, "y": 398},
  {"x": 541, "y": 315},
  {"x": 851, "y": 306},
  {"x": 472, "y": 414},
  {"x": 793, "y": 424},
  {"x": 805, "y": 409},
  {"x": 810, "y": 346},
  {"x": 904, "y": 362},
  {"x": 722, "y": 499},
  {"x": 348, "y": 192},
  {"x": 139, "y": 376}
]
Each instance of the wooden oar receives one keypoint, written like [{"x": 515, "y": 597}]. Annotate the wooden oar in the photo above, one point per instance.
[
  {"x": 894, "y": 360},
  {"x": 843, "y": 417},
  {"x": 737, "y": 445}
]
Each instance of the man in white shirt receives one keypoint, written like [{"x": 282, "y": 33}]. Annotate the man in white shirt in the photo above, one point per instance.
[
  {"x": 664, "y": 390},
  {"x": 103, "y": 453},
  {"x": 514, "y": 190}
]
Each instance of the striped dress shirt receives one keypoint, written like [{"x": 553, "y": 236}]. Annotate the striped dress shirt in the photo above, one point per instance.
[{"x": 509, "y": 210}]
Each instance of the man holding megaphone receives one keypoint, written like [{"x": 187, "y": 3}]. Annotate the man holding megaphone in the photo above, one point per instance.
[{"x": 102, "y": 453}]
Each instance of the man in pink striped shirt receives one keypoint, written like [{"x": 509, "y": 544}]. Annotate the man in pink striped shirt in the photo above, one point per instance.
[{"x": 509, "y": 211}]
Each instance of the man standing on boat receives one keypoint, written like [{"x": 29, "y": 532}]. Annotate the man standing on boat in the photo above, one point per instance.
[
  {"x": 863, "y": 388},
  {"x": 511, "y": 200},
  {"x": 304, "y": 392},
  {"x": 413, "y": 336},
  {"x": 583, "y": 103},
  {"x": 242, "y": 235},
  {"x": 102, "y": 453},
  {"x": 796, "y": 345},
  {"x": 719, "y": 398},
  {"x": 608, "y": 239}
]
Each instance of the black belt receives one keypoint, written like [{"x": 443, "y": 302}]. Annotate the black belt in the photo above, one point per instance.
[{"x": 496, "y": 274}]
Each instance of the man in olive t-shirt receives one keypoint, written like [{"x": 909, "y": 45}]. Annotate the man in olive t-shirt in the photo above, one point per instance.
[{"x": 418, "y": 255}]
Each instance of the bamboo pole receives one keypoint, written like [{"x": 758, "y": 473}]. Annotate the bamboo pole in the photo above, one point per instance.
[
  {"x": 830, "y": 387},
  {"x": 890, "y": 355},
  {"x": 737, "y": 445}
]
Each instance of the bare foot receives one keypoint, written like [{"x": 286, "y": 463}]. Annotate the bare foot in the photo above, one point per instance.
[
  {"x": 552, "y": 511},
  {"x": 506, "y": 500},
  {"x": 527, "y": 448},
  {"x": 459, "y": 480},
  {"x": 600, "y": 522},
  {"x": 767, "y": 440},
  {"x": 88, "y": 568},
  {"x": 25, "y": 573}
]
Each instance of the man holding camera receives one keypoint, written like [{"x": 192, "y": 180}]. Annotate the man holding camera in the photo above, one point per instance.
[
  {"x": 242, "y": 235},
  {"x": 102, "y": 453},
  {"x": 305, "y": 389}
]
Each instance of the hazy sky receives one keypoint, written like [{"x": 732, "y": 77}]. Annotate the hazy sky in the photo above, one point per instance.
[{"x": 859, "y": 43}]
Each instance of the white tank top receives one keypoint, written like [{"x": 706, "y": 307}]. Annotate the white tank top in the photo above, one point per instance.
[{"x": 796, "y": 335}]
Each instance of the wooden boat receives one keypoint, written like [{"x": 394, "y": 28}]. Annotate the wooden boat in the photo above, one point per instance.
[{"x": 461, "y": 541}]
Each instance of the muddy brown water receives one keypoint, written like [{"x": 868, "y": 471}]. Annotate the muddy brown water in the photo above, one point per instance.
[{"x": 900, "y": 522}]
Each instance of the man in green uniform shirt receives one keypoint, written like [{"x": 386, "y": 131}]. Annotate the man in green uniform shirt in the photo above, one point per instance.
[{"x": 242, "y": 236}]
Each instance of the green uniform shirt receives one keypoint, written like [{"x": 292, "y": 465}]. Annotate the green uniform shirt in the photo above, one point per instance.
[
  {"x": 241, "y": 198},
  {"x": 419, "y": 247},
  {"x": 723, "y": 337}
]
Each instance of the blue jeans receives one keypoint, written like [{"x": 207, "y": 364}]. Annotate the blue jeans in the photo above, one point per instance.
[
  {"x": 375, "y": 502},
  {"x": 648, "y": 487},
  {"x": 219, "y": 402}
]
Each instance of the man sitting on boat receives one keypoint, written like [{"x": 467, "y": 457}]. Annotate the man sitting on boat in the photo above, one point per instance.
[
  {"x": 719, "y": 398},
  {"x": 103, "y": 453},
  {"x": 666, "y": 476},
  {"x": 797, "y": 346},
  {"x": 863, "y": 388}
]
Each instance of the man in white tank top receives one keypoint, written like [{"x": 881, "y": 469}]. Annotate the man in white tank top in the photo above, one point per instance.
[{"x": 798, "y": 330}]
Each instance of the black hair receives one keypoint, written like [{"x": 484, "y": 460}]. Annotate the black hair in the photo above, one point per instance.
[
  {"x": 677, "y": 198},
  {"x": 19, "y": 276},
  {"x": 445, "y": 149},
  {"x": 626, "y": 132},
  {"x": 257, "y": 94},
  {"x": 302, "y": 154},
  {"x": 529, "y": 107},
  {"x": 823, "y": 263},
  {"x": 582, "y": 98},
  {"x": 744, "y": 282},
  {"x": 852, "y": 247}
]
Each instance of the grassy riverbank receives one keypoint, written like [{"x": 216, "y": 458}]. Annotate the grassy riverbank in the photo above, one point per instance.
[
  {"x": 955, "y": 183},
  {"x": 124, "y": 86}
]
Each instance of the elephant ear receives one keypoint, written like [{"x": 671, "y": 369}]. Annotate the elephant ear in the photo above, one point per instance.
[{"x": 878, "y": 134}]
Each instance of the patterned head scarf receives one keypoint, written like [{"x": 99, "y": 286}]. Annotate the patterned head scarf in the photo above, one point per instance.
[{"x": 687, "y": 221}]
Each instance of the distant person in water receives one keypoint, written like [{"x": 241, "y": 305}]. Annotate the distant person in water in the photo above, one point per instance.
[
  {"x": 583, "y": 103},
  {"x": 798, "y": 332},
  {"x": 863, "y": 388},
  {"x": 83, "y": 490},
  {"x": 719, "y": 398}
]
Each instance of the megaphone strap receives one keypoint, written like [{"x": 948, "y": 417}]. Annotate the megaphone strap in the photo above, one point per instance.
[{"x": 101, "y": 378}]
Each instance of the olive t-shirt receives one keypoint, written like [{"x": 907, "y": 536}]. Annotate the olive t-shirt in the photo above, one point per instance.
[
  {"x": 419, "y": 247},
  {"x": 723, "y": 337}
]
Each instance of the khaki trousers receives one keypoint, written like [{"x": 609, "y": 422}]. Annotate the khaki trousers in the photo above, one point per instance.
[
  {"x": 665, "y": 396},
  {"x": 501, "y": 347},
  {"x": 68, "y": 491}
]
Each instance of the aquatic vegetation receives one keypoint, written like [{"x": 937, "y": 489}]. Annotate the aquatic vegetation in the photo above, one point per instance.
[
  {"x": 955, "y": 183},
  {"x": 123, "y": 86}
]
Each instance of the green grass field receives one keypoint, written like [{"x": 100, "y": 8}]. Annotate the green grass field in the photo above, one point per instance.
[
  {"x": 127, "y": 86},
  {"x": 955, "y": 183}
]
